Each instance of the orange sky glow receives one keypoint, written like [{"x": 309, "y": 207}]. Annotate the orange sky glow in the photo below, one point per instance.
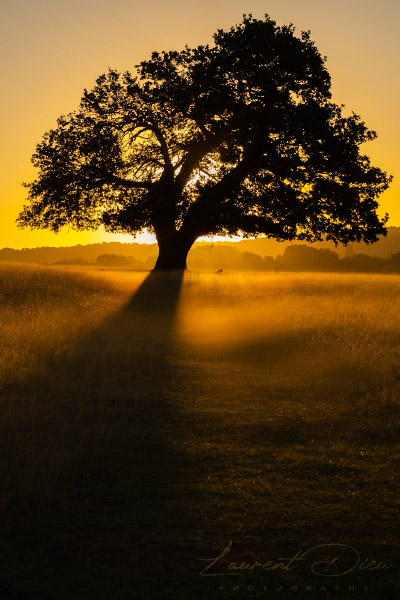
[{"x": 52, "y": 49}]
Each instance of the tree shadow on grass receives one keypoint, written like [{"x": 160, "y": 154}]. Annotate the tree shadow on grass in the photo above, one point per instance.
[
  {"x": 115, "y": 484},
  {"x": 95, "y": 462}
]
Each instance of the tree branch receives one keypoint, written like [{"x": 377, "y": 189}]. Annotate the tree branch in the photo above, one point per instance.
[
  {"x": 251, "y": 161},
  {"x": 202, "y": 211},
  {"x": 202, "y": 127},
  {"x": 164, "y": 147},
  {"x": 127, "y": 183},
  {"x": 152, "y": 126},
  {"x": 197, "y": 150}
]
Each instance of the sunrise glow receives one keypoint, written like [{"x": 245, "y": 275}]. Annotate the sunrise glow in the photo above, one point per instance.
[{"x": 52, "y": 51}]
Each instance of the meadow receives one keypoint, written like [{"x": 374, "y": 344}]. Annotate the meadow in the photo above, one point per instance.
[{"x": 185, "y": 438}]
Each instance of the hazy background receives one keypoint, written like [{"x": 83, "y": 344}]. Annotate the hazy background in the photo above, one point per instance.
[{"x": 52, "y": 49}]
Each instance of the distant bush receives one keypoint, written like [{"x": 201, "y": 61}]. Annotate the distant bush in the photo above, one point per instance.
[
  {"x": 115, "y": 260},
  {"x": 363, "y": 263},
  {"x": 150, "y": 262},
  {"x": 300, "y": 257},
  {"x": 395, "y": 262},
  {"x": 225, "y": 257},
  {"x": 72, "y": 260},
  {"x": 255, "y": 262}
]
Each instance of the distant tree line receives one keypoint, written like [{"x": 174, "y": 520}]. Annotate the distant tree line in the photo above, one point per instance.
[
  {"x": 298, "y": 257},
  {"x": 141, "y": 254},
  {"x": 295, "y": 258},
  {"x": 207, "y": 257},
  {"x": 305, "y": 258}
]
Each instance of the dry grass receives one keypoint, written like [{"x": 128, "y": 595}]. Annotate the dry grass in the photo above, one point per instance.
[{"x": 262, "y": 409}]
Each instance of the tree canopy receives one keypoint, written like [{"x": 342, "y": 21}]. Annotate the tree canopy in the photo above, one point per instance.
[{"x": 236, "y": 138}]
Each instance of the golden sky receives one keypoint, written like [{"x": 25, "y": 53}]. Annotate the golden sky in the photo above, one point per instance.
[{"x": 52, "y": 49}]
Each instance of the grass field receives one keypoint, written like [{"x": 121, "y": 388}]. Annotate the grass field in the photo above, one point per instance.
[{"x": 149, "y": 424}]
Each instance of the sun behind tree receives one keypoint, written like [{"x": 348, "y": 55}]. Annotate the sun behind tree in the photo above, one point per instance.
[{"x": 238, "y": 138}]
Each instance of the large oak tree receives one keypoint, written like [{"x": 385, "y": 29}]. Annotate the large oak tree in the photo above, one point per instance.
[{"x": 237, "y": 138}]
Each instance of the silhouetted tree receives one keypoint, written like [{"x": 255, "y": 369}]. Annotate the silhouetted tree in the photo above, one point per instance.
[{"x": 240, "y": 137}]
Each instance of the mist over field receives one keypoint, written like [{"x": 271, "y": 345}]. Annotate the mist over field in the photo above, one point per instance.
[{"x": 149, "y": 420}]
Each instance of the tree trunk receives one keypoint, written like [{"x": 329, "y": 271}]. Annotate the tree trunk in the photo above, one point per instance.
[{"x": 173, "y": 249}]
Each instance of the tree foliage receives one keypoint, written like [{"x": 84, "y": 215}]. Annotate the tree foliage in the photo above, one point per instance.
[{"x": 238, "y": 137}]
